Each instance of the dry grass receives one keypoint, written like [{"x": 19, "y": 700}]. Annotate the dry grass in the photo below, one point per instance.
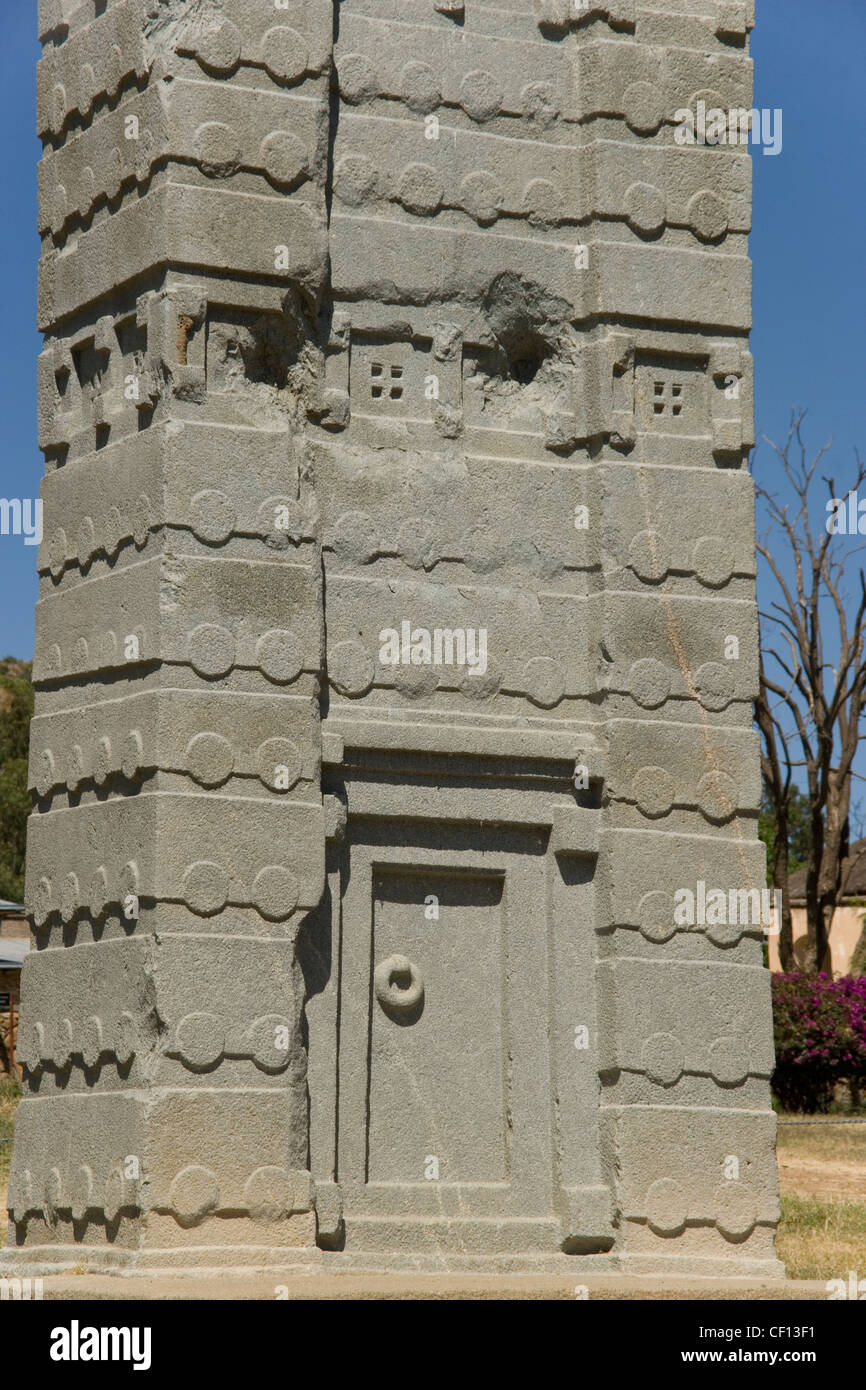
[
  {"x": 822, "y": 1237},
  {"x": 822, "y": 1176}
]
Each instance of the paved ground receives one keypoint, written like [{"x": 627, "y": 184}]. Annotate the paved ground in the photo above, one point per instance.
[{"x": 417, "y": 1287}]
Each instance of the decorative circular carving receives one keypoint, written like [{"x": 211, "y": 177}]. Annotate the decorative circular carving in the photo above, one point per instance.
[
  {"x": 717, "y": 796},
  {"x": 53, "y": 1193},
  {"x": 103, "y": 762},
  {"x": 728, "y": 1061},
  {"x": 80, "y": 655},
  {"x": 91, "y": 1042},
  {"x": 356, "y": 538},
  {"x": 544, "y": 681},
  {"x": 662, "y": 1059},
  {"x": 416, "y": 543},
  {"x": 476, "y": 687},
  {"x": 86, "y": 541},
  {"x": 666, "y": 1207},
  {"x": 358, "y": 81},
  {"x": 212, "y": 516},
  {"x": 415, "y": 682},
  {"x": 649, "y": 682},
  {"x": 398, "y": 984},
  {"x": 419, "y": 87},
  {"x": 219, "y": 50},
  {"x": 108, "y": 649},
  {"x": 643, "y": 106},
  {"x": 736, "y": 1209},
  {"x": 200, "y": 1040},
  {"x": 481, "y": 196},
  {"x": 268, "y": 1194},
  {"x": 279, "y": 655},
  {"x": 99, "y": 894},
  {"x": 81, "y": 1194},
  {"x": 59, "y": 106},
  {"x": 141, "y": 519},
  {"x": 114, "y": 531},
  {"x": 210, "y": 759},
  {"x": 275, "y": 892},
  {"x": 482, "y": 549},
  {"x": 35, "y": 1051},
  {"x": 63, "y": 1042},
  {"x": 76, "y": 773},
  {"x": 278, "y": 762},
  {"x": 21, "y": 1194},
  {"x": 70, "y": 899},
  {"x": 86, "y": 88},
  {"x": 711, "y": 559},
  {"x": 126, "y": 1039},
  {"x": 131, "y": 755},
  {"x": 714, "y": 684},
  {"x": 217, "y": 149},
  {"x": 205, "y": 888},
  {"x": 420, "y": 189},
  {"x": 654, "y": 791},
  {"x": 542, "y": 203},
  {"x": 539, "y": 103},
  {"x": 480, "y": 95},
  {"x": 211, "y": 650},
  {"x": 707, "y": 215},
  {"x": 350, "y": 669},
  {"x": 725, "y": 933},
  {"x": 712, "y": 99},
  {"x": 280, "y": 520},
  {"x": 270, "y": 1042},
  {"x": 645, "y": 208},
  {"x": 284, "y": 157},
  {"x": 648, "y": 556},
  {"x": 655, "y": 913},
  {"x": 354, "y": 179},
  {"x": 86, "y": 189},
  {"x": 194, "y": 1194},
  {"x": 115, "y": 1194},
  {"x": 59, "y": 207},
  {"x": 45, "y": 772},
  {"x": 52, "y": 658},
  {"x": 42, "y": 904},
  {"x": 284, "y": 53}
]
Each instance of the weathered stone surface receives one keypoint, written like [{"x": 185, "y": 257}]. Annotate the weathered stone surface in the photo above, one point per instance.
[{"x": 396, "y": 645}]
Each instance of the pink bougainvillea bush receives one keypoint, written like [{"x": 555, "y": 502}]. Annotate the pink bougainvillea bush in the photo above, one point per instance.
[{"x": 819, "y": 1026}]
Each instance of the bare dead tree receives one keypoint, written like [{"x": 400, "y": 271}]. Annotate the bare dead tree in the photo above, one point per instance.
[{"x": 812, "y": 692}]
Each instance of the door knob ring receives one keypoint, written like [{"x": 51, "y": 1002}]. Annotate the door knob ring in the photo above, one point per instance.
[{"x": 399, "y": 984}]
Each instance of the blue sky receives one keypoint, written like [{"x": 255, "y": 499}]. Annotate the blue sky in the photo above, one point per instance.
[{"x": 807, "y": 247}]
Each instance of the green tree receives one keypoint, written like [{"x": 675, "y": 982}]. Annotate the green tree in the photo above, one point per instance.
[
  {"x": 16, "y": 711},
  {"x": 799, "y": 830}
]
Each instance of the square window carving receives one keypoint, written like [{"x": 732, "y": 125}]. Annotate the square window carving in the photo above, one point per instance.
[
  {"x": 390, "y": 378},
  {"x": 672, "y": 394}
]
